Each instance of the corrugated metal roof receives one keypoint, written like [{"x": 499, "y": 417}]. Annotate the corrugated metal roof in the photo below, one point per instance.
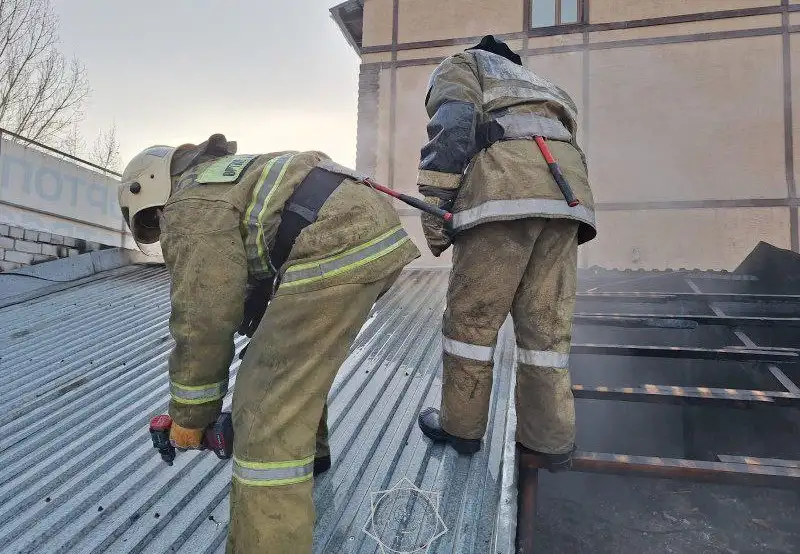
[{"x": 83, "y": 370}]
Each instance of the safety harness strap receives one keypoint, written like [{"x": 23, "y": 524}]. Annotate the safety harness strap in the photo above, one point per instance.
[{"x": 301, "y": 210}]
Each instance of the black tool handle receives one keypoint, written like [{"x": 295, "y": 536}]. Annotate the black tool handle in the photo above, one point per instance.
[{"x": 159, "y": 434}]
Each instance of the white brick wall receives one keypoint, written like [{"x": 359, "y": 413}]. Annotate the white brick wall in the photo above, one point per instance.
[
  {"x": 20, "y": 247},
  {"x": 27, "y": 246},
  {"x": 18, "y": 257}
]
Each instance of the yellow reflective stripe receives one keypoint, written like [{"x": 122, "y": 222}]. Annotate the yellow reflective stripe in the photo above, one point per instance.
[
  {"x": 268, "y": 181},
  {"x": 254, "y": 224},
  {"x": 262, "y": 254},
  {"x": 198, "y": 394},
  {"x": 258, "y": 187},
  {"x": 358, "y": 248},
  {"x": 275, "y": 482},
  {"x": 296, "y": 275},
  {"x": 271, "y": 474},
  {"x": 274, "y": 465}
]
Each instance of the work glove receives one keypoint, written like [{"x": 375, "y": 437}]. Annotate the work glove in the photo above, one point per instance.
[
  {"x": 438, "y": 232},
  {"x": 185, "y": 439},
  {"x": 257, "y": 296}
]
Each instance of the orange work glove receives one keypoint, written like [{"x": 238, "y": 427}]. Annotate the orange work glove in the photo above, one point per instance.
[{"x": 185, "y": 439}]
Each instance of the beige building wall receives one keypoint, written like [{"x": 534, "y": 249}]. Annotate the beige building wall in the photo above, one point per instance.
[{"x": 690, "y": 114}]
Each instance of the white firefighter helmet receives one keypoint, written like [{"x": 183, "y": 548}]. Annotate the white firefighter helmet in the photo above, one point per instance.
[
  {"x": 147, "y": 181},
  {"x": 146, "y": 186}
]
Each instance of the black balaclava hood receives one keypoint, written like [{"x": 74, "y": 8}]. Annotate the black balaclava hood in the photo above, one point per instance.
[{"x": 491, "y": 44}]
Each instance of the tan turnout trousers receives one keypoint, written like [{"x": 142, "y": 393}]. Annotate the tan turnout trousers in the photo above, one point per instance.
[
  {"x": 528, "y": 268},
  {"x": 278, "y": 402}
]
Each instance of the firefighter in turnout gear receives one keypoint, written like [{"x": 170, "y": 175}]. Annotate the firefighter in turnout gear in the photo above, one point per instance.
[
  {"x": 233, "y": 229},
  {"x": 515, "y": 242}
]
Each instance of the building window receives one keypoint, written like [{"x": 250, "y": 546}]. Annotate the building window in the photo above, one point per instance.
[{"x": 549, "y": 13}]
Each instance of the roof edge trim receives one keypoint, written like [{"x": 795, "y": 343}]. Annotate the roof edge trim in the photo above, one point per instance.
[{"x": 336, "y": 15}]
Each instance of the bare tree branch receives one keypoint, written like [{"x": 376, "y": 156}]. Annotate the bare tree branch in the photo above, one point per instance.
[
  {"x": 105, "y": 151},
  {"x": 40, "y": 92},
  {"x": 72, "y": 142}
]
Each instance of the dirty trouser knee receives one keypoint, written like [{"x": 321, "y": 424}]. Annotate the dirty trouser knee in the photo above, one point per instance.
[
  {"x": 542, "y": 313},
  {"x": 488, "y": 264},
  {"x": 279, "y": 399}
]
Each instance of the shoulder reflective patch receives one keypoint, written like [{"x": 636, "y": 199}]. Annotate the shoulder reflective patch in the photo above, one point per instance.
[
  {"x": 226, "y": 170},
  {"x": 500, "y": 69},
  {"x": 159, "y": 151}
]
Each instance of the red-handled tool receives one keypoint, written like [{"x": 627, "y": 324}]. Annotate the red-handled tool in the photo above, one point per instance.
[
  {"x": 217, "y": 437},
  {"x": 561, "y": 181},
  {"x": 411, "y": 201}
]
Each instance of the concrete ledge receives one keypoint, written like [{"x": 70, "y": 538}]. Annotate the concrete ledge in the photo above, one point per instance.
[
  {"x": 84, "y": 265},
  {"x": 37, "y": 280}
]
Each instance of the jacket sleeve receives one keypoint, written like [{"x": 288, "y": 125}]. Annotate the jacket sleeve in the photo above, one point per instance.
[
  {"x": 454, "y": 105},
  {"x": 204, "y": 253}
]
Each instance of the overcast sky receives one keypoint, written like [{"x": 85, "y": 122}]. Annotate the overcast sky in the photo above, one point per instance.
[{"x": 270, "y": 74}]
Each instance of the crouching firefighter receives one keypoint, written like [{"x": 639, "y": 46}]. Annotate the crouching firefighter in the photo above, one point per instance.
[
  {"x": 233, "y": 229},
  {"x": 503, "y": 157}
]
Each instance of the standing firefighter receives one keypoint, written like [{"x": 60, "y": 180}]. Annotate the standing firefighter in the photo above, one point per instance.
[
  {"x": 230, "y": 230},
  {"x": 516, "y": 235}
]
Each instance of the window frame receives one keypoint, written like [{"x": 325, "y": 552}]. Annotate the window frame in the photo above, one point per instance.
[{"x": 582, "y": 11}]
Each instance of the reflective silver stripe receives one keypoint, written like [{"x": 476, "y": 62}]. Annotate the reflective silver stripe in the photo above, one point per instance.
[
  {"x": 350, "y": 259},
  {"x": 466, "y": 350},
  {"x": 281, "y": 473},
  {"x": 200, "y": 394},
  {"x": 527, "y": 92},
  {"x": 503, "y": 210},
  {"x": 542, "y": 358},
  {"x": 517, "y": 126},
  {"x": 499, "y": 68},
  {"x": 333, "y": 167}
]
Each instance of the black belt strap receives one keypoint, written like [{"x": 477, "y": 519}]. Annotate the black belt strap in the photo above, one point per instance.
[
  {"x": 301, "y": 210},
  {"x": 486, "y": 134}
]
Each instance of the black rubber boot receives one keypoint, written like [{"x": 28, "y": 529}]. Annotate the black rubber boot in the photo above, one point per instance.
[
  {"x": 554, "y": 463},
  {"x": 432, "y": 428},
  {"x": 321, "y": 465}
]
